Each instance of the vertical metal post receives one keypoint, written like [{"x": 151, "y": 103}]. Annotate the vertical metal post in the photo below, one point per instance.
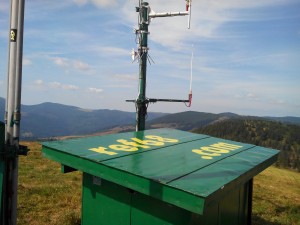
[
  {"x": 143, "y": 53},
  {"x": 250, "y": 199},
  {"x": 12, "y": 114}
]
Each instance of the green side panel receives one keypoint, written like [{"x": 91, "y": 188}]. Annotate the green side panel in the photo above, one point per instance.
[
  {"x": 150, "y": 211},
  {"x": 104, "y": 203},
  {"x": 243, "y": 204},
  {"x": 229, "y": 209}
]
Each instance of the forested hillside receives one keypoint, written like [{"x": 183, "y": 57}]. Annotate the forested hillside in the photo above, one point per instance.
[{"x": 284, "y": 137}]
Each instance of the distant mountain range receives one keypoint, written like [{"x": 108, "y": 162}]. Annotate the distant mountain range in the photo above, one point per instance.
[
  {"x": 193, "y": 120},
  {"x": 52, "y": 120}
]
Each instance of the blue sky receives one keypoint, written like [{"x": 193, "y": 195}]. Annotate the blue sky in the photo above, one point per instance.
[{"x": 77, "y": 52}]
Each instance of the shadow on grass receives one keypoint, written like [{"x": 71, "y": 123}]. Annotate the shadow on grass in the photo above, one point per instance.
[
  {"x": 71, "y": 219},
  {"x": 256, "y": 220}
]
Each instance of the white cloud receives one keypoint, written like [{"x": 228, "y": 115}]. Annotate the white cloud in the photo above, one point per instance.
[
  {"x": 252, "y": 96},
  {"x": 41, "y": 85},
  {"x": 72, "y": 64},
  {"x": 70, "y": 87},
  {"x": 207, "y": 18},
  {"x": 58, "y": 85},
  {"x": 37, "y": 85},
  {"x": 98, "y": 3},
  {"x": 95, "y": 90},
  {"x": 277, "y": 101},
  {"x": 79, "y": 65},
  {"x": 55, "y": 84},
  {"x": 80, "y": 2},
  {"x": 61, "y": 61},
  {"x": 4, "y": 7},
  {"x": 38, "y": 82},
  {"x": 125, "y": 77},
  {"x": 27, "y": 62},
  {"x": 104, "y": 3},
  {"x": 110, "y": 51}
]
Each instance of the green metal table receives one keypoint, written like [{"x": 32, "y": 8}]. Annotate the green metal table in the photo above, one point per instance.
[{"x": 162, "y": 177}]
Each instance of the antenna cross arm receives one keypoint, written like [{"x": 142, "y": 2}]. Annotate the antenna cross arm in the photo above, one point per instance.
[
  {"x": 168, "y": 14},
  {"x": 153, "y": 100}
]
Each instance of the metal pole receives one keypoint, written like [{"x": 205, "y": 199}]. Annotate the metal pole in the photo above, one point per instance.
[
  {"x": 143, "y": 53},
  {"x": 12, "y": 70},
  {"x": 13, "y": 112},
  {"x": 18, "y": 81}
]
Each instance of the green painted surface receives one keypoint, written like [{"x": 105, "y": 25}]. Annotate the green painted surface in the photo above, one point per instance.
[
  {"x": 170, "y": 163},
  {"x": 187, "y": 170},
  {"x": 228, "y": 173},
  {"x": 104, "y": 203},
  {"x": 80, "y": 146}
]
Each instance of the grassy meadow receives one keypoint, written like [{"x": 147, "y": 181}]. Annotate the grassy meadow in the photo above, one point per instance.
[{"x": 47, "y": 197}]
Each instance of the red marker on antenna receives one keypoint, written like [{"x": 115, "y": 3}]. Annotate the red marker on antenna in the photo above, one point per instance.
[
  {"x": 191, "y": 81},
  {"x": 187, "y": 5}
]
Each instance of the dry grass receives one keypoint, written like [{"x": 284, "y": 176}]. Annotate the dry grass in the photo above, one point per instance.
[
  {"x": 45, "y": 195},
  {"x": 276, "y": 198}
]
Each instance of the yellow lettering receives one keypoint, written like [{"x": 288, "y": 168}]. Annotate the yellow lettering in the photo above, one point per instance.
[
  {"x": 125, "y": 148},
  {"x": 208, "y": 152},
  {"x": 215, "y": 150},
  {"x": 102, "y": 150},
  {"x": 161, "y": 139},
  {"x": 205, "y": 155},
  {"x": 12, "y": 35},
  {"x": 125, "y": 142},
  {"x": 147, "y": 142},
  {"x": 135, "y": 145},
  {"x": 226, "y": 146}
]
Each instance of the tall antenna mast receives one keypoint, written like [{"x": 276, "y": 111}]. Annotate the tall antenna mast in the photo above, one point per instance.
[
  {"x": 9, "y": 156},
  {"x": 145, "y": 15}
]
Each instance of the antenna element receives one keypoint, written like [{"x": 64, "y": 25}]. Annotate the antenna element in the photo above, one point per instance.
[{"x": 141, "y": 55}]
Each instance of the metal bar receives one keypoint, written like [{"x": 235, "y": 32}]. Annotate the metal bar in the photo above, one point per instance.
[
  {"x": 8, "y": 190},
  {"x": 12, "y": 69},
  {"x": 166, "y": 100},
  {"x": 18, "y": 81},
  {"x": 168, "y": 14},
  {"x": 190, "y": 14},
  {"x": 153, "y": 100}
]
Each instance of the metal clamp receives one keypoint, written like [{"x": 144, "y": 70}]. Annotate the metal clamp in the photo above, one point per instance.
[{"x": 13, "y": 151}]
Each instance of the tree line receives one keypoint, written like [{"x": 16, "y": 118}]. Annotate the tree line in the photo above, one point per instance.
[{"x": 270, "y": 134}]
